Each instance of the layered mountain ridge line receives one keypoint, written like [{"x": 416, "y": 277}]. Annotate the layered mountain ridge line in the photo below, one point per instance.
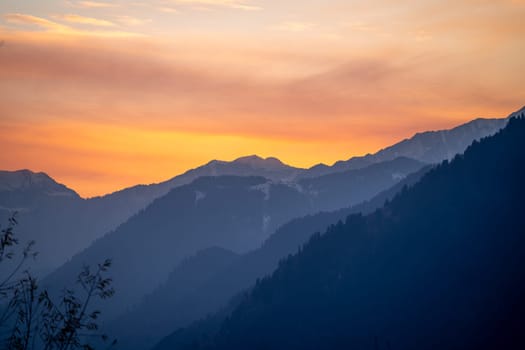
[
  {"x": 240, "y": 214},
  {"x": 170, "y": 307},
  {"x": 252, "y": 211},
  {"x": 440, "y": 265},
  {"x": 42, "y": 207},
  {"x": 484, "y": 127}
]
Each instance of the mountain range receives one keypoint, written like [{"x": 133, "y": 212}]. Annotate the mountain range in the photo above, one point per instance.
[
  {"x": 429, "y": 147},
  {"x": 50, "y": 212},
  {"x": 176, "y": 303},
  {"x": 47, "y": 217},
  {"x": 184, "y": 247},
  {"x": 439, "y": 266},
  {"x": 240, "y": 213}
]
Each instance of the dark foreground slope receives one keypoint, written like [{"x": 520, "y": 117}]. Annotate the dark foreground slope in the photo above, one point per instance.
[{"x": 442, "y": 266}]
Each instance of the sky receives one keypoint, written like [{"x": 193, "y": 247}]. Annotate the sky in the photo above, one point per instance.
[{"x": 102, "y": 95}]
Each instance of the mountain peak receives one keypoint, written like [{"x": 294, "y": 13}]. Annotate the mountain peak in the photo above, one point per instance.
[
  {"x": 259, "y": 162},
  {"x": 23, "y": 178},
  {"x": 252, "y": 157},
  {"x": 28, "y": 180}
]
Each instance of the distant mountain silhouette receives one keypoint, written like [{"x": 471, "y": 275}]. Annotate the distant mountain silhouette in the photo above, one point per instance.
[
  {"x": 23, "y": 186},
  {"x": 129, "y": 201},
  {"x": 50, "y": 212},
  {"x": 52, "y": 208},
  {"x": 77, "y": 222},
  {"x": 178, "y": 302},
  {"x": 429, "y": 147},
  {"x": 231, "y": 212},
  {"x": 346, "y": 188},
  {"x": 441, "y": 266}
]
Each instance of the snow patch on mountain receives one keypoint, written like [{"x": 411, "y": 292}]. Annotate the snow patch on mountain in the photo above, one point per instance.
[
  {"x": 398, "y": 176},
  {"x": 266, "y": 222},
  {"x": 264, "y": 188},
  {"x": 199, "y": 196}
]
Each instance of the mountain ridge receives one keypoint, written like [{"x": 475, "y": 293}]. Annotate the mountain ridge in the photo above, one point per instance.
[
  {"x": 210, "y": 294},
  {"x": 439, "y": 266},
  {"x": 360, "y": 161},
  {"x": 25, "y": 179},
  {"x": 241, "y": 212},
  {"x": 428, "y": 146},
  {"x": 102, "y": 214}
]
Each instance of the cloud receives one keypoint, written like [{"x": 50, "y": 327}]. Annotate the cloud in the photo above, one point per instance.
[
  {"x": 125, "y": 80},
  {"x": 19, "y": 18},
  {"x": 72, "y": 18},
  {"x": 57, "y": 28},
  {"x": 310, "y": 95},
  {"x": 167, "y": 9},
  {"x": 132, "y": 21},
  {"x": 94, "y": 4},
  {"x": 295, "y": 26},
  {"x": 232, "y": 4}
]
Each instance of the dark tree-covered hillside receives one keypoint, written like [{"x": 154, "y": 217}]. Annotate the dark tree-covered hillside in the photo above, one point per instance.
[{"x": 442, "y": 266}]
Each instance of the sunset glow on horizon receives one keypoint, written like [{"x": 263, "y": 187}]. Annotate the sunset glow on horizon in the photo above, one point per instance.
[{"x": 103, "y": 95}]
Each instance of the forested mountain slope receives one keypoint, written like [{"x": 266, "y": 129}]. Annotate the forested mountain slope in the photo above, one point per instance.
[{"x": 440, "y": 266}]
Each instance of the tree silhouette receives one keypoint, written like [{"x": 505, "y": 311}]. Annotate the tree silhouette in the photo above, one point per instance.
[{"x": 30, "y": 318}]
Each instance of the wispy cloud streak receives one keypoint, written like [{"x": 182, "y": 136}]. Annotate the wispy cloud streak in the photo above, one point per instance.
[
  {"x": 93, "y": 4},
  {"x": 73, "y": 18},
  {"x": 19, "y": 18},
  {"x": 232, "y": 4}
]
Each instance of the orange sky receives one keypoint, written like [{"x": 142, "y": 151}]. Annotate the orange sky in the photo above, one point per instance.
[{"x": 104, "y": 95}]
